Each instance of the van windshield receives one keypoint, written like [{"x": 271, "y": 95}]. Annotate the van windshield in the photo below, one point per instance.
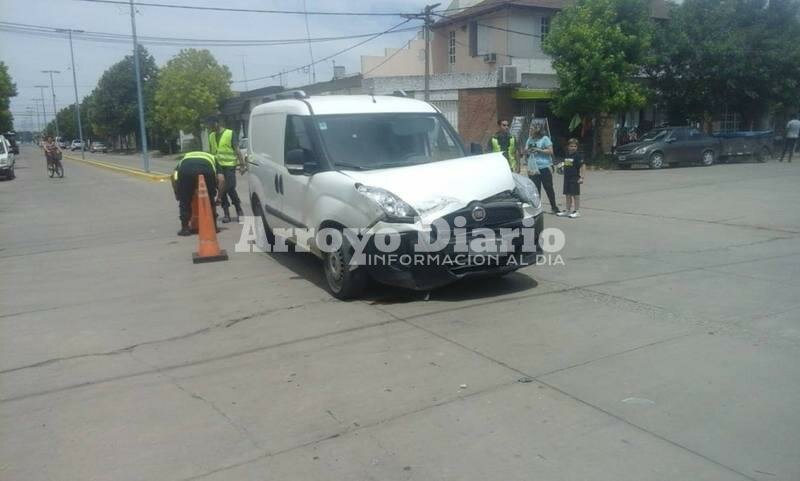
[{"x": 377, "y": 141}]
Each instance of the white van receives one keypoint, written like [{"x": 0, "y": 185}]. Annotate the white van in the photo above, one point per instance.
[
  {"x": 7, "y": 159},
  {"x": 390, "y": 167}
]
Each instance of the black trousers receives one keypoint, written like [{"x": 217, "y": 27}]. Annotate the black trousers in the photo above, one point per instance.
[
  {"x": 187, "y": 186},
  {"x": 230, "y": 188},
  {"x": 545, "y": 178},
  {"x": 789, "y": 145}
]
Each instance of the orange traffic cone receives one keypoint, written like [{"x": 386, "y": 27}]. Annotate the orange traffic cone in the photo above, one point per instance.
[
  {"x": 193, "y": 222},
  {"x": 207, "y": 247}
]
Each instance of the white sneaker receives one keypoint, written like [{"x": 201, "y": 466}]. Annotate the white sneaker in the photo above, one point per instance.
[
  {"x": 574, "y": 215},
  {"x": 562, "y": 213}
]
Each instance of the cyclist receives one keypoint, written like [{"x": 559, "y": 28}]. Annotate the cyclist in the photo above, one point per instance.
[{"x": 51, "y": 151}]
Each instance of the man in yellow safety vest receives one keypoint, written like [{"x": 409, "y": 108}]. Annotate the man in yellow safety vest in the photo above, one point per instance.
[
  {"x": 504, "y": 142},
  {"x": 184, "y": 184},
  {"x": 221, "y": 146}
]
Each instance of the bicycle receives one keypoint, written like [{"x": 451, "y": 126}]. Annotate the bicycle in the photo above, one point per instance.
[{"x": 55, "y": 168}]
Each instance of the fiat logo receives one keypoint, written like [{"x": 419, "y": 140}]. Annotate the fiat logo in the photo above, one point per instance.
[{"x": 478, "y": 213}]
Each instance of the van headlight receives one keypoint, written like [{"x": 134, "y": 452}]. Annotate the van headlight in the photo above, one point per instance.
[
  {"x": 395, "y": 208},
  {"x": 526, "y": 191}
]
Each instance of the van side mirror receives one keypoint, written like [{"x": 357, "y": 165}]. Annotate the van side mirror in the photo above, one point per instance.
[
  {"x": 300, "y": 162},
  {"x": 475, "y": 149}
]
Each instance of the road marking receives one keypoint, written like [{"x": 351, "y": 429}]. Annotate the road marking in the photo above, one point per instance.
[{"x": 155, "y": 176}]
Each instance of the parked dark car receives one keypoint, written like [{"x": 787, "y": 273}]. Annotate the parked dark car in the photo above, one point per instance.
[
  {"x": 668, "y": 146},
  {"x": 756, "y": 145}
]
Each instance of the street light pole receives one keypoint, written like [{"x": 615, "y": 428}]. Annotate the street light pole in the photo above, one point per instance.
[
  {"x": 145, "y": 158},
  {"x": 44, "y": 109},
  {"x": 38, "y": 119},
  {"x": 53, "y": 91},
  {"x": 75, "y": 85}
]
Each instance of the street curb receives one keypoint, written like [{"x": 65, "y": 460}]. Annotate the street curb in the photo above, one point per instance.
[{"x": 154, "y": 176}]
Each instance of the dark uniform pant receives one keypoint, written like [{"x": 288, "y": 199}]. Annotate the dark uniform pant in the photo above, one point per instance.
[
  {"x": 545, "y": 178},
  {"x": 230, "y": 188},
  {"x": 187, "y": 186}
]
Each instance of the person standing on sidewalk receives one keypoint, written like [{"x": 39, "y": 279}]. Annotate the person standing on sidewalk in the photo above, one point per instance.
[
  {"x": 574, "y": 171},
  {"x": 504, "y": 142},
  {"x": 792, "y": 133},
  {"x": 539, "y": 150},
  {"x": 220, "y": 143}
]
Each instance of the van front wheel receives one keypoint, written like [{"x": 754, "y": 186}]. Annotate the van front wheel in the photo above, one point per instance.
[{"x": 343, "y": 281}]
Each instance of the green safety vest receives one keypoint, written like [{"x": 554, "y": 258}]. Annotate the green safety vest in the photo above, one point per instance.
[
  {"x": 196, "y": 155},
  {"x": 223, "y": 150},
  {"x": 512, "y": 150}
]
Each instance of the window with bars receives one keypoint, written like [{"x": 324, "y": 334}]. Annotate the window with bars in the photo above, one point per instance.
[
  {"x": 544, "y": 28},
  {"x": 730, "y": 122},
  {"x": 451, "y": 48}
]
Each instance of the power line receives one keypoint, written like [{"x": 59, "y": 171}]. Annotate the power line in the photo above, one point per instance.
[
  {"x": 104, "y": 37},
  {"x": 387, "y": 59},
  {"x": 325, "y": 59},
  {"x": 247, "y": 10}
]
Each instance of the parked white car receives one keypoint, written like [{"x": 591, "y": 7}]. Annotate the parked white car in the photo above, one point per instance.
[
  {"x": 7, "y": 159},
  {"x": 381, "y": 164}
]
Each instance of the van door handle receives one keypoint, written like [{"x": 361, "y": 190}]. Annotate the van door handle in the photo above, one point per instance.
[
  {"x": 277, "y": 187},
  {"x": 280, "y": 183}
]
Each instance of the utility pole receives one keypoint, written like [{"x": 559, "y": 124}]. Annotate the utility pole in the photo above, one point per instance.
[
  {"x": 35, "y": 111},
  {"x": 53, "y": 91},
  {"x": 142, "y": 131},
  {"x": 244, "y": 73},
  {"x": 44, "y": 110},
  {"x": 75, "y": 85},
  {"x": 426, "y": 17},
  {"x": 313, "y": 78},
  {"x": 38, "y": 119}
]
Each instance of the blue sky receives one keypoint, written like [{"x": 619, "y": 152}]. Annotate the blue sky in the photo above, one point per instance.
[{"x": 27, "y": 56}]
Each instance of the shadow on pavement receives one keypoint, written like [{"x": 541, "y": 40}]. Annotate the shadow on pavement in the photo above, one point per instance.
[{"x": 307, "y": 266}]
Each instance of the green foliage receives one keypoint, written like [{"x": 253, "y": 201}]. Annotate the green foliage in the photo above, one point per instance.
[
  {"x": 598, "y": 48},
  {"x": 192, "y": 86},
  {"x": 739, "y": 54},
  {"x": 7, "y": 90},
  {"x": 113, "y": 109},
  {"x": 68, "y": 125}
]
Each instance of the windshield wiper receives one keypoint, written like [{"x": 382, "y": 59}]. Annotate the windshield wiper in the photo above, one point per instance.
[{"x": 345, "y": 165}]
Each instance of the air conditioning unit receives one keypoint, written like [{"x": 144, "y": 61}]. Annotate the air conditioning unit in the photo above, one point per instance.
[
  {"x": 509, "y": 75},
  {"x": 490, "y": 58}
]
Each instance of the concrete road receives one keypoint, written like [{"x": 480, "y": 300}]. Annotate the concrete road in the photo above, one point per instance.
[{"x": 667, "y": 348}]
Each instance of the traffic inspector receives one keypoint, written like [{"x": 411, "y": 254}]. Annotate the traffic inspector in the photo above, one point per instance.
[
  {"x": 184, "y": 184},
  {"x": 220, "y": 143}
]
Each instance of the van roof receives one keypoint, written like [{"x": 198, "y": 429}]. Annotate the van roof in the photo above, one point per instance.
[{"x": 346, "y": 104}]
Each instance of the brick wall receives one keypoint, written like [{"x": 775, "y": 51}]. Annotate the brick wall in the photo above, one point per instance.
[
  {"x": 478, "y": 111},
  {"x": 477, "y": 114}
]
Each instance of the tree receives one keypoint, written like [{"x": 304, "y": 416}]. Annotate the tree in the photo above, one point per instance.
[
  {"x": 192, "y": 86},
  {"x": 68, "y": 125},
  {"x": 113, "y": 109},
  {"x": 598, "y": 49},
  {"x": 741, "y": 55},
  {"x": 8, "y": 89}
]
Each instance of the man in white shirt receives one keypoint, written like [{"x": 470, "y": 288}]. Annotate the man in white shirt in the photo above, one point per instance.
[{"x": 790, "y": 140}]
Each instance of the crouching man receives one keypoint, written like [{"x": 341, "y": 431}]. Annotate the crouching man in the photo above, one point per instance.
[{"x": 184, "y": 184}]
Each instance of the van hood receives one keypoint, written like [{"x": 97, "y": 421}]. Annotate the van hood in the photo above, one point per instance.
[{"x": 438, "y": 188}]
